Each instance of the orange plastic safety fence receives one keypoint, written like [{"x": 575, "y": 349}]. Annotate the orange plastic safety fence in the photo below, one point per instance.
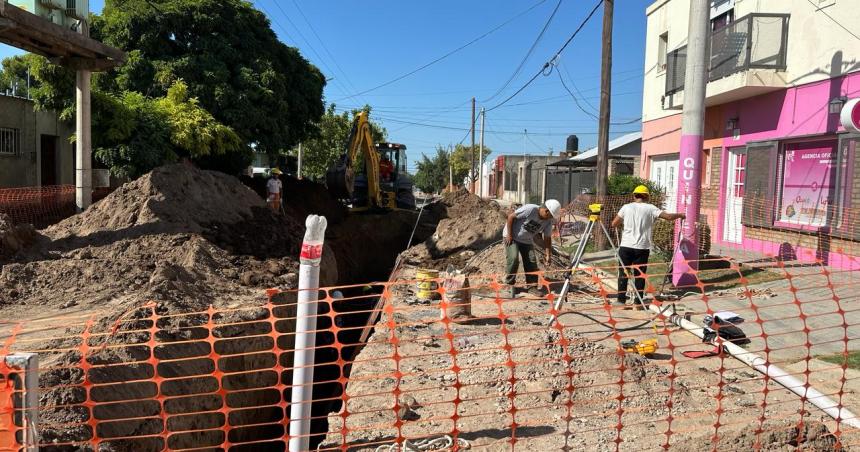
[
  {"x": 476, "y": 366},
  {"x": 42, "y": 206}
]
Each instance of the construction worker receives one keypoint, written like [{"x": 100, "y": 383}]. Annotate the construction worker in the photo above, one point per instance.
[
  {"x": 274, "y": 187},
  {"x": 637, "y": 219},
  {"x": 386, "y": 169},
  {"x": 520, "y": 229}
]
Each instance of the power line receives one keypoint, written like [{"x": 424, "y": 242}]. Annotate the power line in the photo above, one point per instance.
[
  {"x": 834, "y": 20},
  {"x": 424, "y": 66},
  {"x": 575, "y": 88},
  {"x": 548, "y": 64},
  {"x": 527, "y": 55},
  {"x": 576, "y": 101}
]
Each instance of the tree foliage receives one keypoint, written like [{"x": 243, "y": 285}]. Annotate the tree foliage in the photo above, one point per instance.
[
  {"x": 140, "y": 133},
  {"x": 229, "y": 57},
  {"x": 431, "y": 175},
  {"x": 623, "y": 184},
  {"x": 323, "y": 149},
  {"x": 461, "y": 161},
  {"x": 205, "y": 79}
]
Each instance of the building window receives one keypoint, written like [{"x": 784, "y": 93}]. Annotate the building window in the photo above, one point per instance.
[
  {"x": 723, "y": 20},
  {"x": 10, "y": 141},
  {"x": 662, "y": 49},
  {"x": 706, "y": 168},
  {"x": 807, "y": 189}
]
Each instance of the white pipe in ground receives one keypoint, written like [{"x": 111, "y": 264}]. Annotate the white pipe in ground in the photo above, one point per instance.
[
  {"x": 306, "y": 325},
  {"x": 758, "y": 363}
]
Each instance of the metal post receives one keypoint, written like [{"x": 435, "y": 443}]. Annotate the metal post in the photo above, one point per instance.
[
  {"x": 28, "y": 365},
  {"x": 692, "y": 140},
  {"x": 472, "y": 151},
  {"x": 299, "y": 169},
  {"x": 481, "y": 157},
  {"x": 306, "y": 325},
  {"x": 83, "y": 141},
  {"x": 450, "y": 169}
]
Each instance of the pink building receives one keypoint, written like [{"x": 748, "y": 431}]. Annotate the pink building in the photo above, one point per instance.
[{"x": 779, "y": 167}]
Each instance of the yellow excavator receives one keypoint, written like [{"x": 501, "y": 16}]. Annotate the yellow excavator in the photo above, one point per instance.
[{"x": 382, "y": 184}]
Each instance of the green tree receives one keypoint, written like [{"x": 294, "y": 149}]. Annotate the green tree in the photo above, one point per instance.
[
  {"x": 229, "y": 57},
  {"x": 139, "y": 133},
  {"x": 431, "y": 175},
  {"x": 461, "y": 161},
  {"x": 623, "y": 184},
  {"x": 323, "y": 149}
]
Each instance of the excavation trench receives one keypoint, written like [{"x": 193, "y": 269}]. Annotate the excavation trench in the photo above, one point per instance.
[{"x": 182, "y": 351}]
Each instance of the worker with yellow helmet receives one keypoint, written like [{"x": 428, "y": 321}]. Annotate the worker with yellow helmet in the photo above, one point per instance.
[{"x": 637, "y": 219}]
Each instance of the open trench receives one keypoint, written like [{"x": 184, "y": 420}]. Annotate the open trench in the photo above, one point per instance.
[{"x": 211, "y": 381}]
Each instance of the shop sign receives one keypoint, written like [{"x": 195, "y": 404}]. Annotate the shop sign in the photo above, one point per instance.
[
  {"x": 807, "y": 185},
  {"x": 851, "y": 115}
]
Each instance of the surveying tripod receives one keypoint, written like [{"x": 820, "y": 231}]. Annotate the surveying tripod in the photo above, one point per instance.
[{"x": 576, "y": 259}]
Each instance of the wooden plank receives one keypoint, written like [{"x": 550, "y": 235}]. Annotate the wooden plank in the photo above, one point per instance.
[{"x": 76, "y": 44}]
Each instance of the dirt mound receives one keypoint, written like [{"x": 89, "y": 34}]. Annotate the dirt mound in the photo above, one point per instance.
[
  {"x": 773, "y": 437},
  {"x": 172, "y": 198},
  {"x": 14, "y": 238},
  {"x": 468, "y": 224}
]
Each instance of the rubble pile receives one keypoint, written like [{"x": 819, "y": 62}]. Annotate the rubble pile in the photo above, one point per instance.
[{"x": 467, "y": 225}]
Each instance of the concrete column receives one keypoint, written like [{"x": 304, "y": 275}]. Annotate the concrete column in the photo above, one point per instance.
[
  {"x": 83, "y": 143},
  {"x": 692, "y": 141}
]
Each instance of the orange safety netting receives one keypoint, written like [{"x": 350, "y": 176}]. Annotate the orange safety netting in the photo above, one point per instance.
[
  {"x": 42, "y": 206},
  {"x": 473, "y": 367}
]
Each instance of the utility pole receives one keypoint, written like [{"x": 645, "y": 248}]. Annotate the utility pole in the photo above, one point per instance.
[
  {"x": 685, "y": 262},
  {"x": 299, "y": 169},
  {"x": 605, "y": 113},
  {"x": 605, "y": 104},
  {"x": 472, "y": 151},
  {"x": 481, "y": 157},
  {"x": 450, "y": 170}
]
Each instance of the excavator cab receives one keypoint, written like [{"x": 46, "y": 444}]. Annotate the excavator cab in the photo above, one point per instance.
[{"x": 371, "y": 176}]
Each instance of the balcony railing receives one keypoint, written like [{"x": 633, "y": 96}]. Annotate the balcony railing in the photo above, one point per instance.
[{"x": 755, "y": 41}]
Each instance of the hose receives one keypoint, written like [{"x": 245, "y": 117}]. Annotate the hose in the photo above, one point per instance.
[{"x": 444, "y": 442}]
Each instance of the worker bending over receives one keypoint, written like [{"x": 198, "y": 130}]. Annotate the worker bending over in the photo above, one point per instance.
[
  {"x": 519, "y": 233},
  {"x": 637, "y": 219}
]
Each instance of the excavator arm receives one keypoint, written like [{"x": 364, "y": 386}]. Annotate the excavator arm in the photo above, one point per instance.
[{"x": 341, "y": 178}]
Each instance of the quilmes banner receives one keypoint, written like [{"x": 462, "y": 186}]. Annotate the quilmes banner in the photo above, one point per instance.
[{"x": 807, "y": 185}]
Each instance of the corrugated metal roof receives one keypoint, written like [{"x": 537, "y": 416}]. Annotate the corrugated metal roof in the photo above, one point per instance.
[{"x": 613, "y": 144}]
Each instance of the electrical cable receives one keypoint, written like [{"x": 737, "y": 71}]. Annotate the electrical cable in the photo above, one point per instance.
[
  {"x": 527, "y": 55},
  {"x": 549, "y": 63},
  {"x": 834, "y": 20},
  {"x": 452, "y": 52}
]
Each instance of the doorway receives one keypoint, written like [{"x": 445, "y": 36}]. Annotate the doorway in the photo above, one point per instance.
[
  {"x": 49, "y": 160},
  {"x": 664, "y": 172},
  {"x": 735, "y": 178}
]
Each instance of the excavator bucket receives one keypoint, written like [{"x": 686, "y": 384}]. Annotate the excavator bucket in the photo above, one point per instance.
[{"x": 340, "y": 179}]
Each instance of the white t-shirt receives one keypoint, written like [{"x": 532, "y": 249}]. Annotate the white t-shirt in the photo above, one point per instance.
[
  {"x": 274, "y": 185},
  {"x": 639, "y": 220}
]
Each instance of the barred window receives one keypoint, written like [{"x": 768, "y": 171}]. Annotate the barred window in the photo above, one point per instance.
[{"x": 10, "y": 141}]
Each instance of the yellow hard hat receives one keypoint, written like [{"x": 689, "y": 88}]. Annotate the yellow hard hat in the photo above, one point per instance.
[
  {"x": 641, "y": 190},
  {"x": 276, "y": 171}
]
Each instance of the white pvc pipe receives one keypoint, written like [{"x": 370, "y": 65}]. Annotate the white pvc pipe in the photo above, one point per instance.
[
  {"x": 758, "y": 363},
  {"x": 306, "y": 325}
]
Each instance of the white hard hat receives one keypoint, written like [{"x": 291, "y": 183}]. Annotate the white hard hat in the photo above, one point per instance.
[{"x": 554, "y": 207}]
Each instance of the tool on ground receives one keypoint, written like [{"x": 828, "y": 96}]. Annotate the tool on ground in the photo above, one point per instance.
[
  {"x": 593, "y": 217},
  {"x": 644, "y": 348}
]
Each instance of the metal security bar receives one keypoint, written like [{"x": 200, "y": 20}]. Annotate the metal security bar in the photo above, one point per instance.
[
  {"x": 755, "y": 41},
  {"x": 10, "y": 141}
]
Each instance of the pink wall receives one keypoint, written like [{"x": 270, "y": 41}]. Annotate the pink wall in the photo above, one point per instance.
[{"x": 794, "y": 112}]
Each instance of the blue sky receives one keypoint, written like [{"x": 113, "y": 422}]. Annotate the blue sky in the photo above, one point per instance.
[{"x": 363, "y": 47}]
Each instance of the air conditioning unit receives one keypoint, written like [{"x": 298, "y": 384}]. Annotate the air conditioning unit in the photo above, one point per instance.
[{"x": 66, "y": 13}]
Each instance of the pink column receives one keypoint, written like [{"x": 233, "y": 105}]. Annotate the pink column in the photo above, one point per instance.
[{"x": 688, "y": 202}]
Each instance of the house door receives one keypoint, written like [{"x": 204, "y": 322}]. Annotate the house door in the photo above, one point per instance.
[
  {"x": 49, "y": 160},
  {"x": 735, "y": 178},
  {"x": 664, "y": 172}
]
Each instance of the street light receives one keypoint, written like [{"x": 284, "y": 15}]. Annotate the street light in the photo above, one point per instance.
[{"x": 836, "y": 104}]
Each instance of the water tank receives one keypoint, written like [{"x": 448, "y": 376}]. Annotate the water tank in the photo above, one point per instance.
[{"x": 572, "y": 147}]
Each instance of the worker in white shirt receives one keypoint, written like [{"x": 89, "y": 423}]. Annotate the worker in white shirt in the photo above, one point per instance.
[
  {"x": 637, "y": 219},
  {"x": 274, "y": 187}
]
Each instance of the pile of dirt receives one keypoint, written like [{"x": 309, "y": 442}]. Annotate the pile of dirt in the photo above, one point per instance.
[
  {"x": 770, "y": 437},
  {"x": 180, "y": 236},
  {"x": 15, "y": 237},
  {"x": 467, "y": 224}
]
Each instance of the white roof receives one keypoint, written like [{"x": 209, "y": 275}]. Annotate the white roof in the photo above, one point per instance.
[{"x": 613, "y": 144}]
